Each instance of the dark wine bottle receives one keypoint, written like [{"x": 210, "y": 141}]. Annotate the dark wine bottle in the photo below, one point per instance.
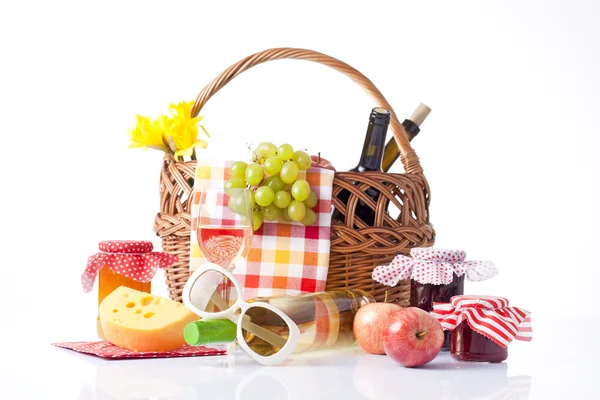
[
  {"x": 412, "y": 126},
  {"x": 370, "y": 160},
  {"x": 376, "y": 157}
]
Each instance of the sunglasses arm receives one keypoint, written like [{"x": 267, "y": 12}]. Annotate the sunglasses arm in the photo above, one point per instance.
[{"x": 257, "y": 330}]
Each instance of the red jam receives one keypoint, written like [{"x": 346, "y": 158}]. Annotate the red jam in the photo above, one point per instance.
[
  {"x": 424, "y": 295},
  {"x": 468, "y": 345}
]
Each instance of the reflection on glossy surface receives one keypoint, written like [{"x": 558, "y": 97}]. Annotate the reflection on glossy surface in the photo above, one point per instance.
[
  {"x": 159, "y": 379},
  {"x": 444, "y": 378},
  {"x": 347, "y": 374}
]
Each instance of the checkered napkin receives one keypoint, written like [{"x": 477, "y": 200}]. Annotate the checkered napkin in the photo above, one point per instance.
[{"x": 286, "y": 257}]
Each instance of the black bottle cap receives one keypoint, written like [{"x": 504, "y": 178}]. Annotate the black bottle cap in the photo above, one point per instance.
[{"x": 380, "y": 116}]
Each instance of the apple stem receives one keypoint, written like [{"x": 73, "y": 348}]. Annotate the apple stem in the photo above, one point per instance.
[{"x": 421, "y": 334}]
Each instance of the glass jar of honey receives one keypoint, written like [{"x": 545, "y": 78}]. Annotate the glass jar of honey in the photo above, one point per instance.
[
  {"x": 481, "y": 327},
  {"x": 123, "y": 263}
]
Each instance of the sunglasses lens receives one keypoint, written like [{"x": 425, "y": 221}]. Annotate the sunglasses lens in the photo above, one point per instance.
[
  {"x": 264, "y": 331},
  {"x": 213, "y": 292}
]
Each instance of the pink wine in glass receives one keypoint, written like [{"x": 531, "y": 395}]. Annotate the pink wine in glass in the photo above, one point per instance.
[{"x": 224, "y": 245}]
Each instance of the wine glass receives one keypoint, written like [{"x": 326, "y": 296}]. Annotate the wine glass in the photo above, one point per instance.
[
  {"x": 224, "y": 226},
  {"x": 224, "y": 229}
]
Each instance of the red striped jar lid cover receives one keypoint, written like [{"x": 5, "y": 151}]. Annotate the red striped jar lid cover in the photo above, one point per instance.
[
  {"x": 490, "y": 316},
  {"x": 133, "y": 259}
]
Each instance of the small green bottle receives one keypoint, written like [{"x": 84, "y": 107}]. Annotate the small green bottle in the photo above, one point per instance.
[{"x": 199, "y": 333}]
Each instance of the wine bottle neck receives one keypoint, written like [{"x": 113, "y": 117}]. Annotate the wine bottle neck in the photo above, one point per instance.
[{"x": 372, "y": 154}]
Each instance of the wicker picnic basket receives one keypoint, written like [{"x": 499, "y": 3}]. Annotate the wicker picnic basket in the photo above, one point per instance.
[{"x": 355, "y": 248}]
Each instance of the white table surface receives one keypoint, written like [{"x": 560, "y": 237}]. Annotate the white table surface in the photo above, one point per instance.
[{"x": 560, "y": 363}]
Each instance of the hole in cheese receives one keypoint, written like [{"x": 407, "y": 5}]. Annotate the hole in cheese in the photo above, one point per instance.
[
  {"x": 126, "y": 295},
  {"x": 131, "y": 304},
  {"x": 138, "y": 311},
  {"x": 148, "y": 314},
  {"x": 157, "y": 301},
  {"x": 146, "y": 300},
  {"x": 115, "y": 310}
]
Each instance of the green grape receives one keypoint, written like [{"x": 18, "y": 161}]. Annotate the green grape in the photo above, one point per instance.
[
  {"x": 273, "y": 165},
  {"x": 252, "y": 199},
  {"x": 275, "y": 183},
  {"x": 238, "y": 169},
  {"x": 302, "y": 159},
  {"x": 270, "y": 212},
  {"x": 236, "y": 202},
  {"x": 289, "y": 172},
  {"x": 300, "y": 190},
  {"x": 285, "y": 215},
  {"x": 296, "y": 210},
  {"x": 312, "y": 200},
  {"x": 285, "y": 151},
  {"x": 257, "y": 219},
  {"x": 264, "y": 151},
  {"x": 254, "y": 174},
  {"x": 264, "y": 196},
  {"x": 310, "y": 218},
  {"x": 282, "y": 199},
  {"x": 234, "y": 183}
]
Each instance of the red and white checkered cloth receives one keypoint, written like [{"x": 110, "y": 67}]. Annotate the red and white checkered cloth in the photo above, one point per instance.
[{"x": 286, "y": 257}]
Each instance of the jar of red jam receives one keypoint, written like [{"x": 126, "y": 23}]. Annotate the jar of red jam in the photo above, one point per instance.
[
  {"x": 468, "y": 345},
  {"x": 481, "y": 327},
  {"x": 423, "y": 295},
  {"x": 436, "y": 276},
  {"x": 129, "y": 263}
]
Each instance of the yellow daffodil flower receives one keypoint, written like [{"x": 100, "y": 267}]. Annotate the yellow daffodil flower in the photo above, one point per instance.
[
  {"x": 147, "y": 133},
  {"x": 176, "y": 133},
  {"x": 184, "y": 129}
]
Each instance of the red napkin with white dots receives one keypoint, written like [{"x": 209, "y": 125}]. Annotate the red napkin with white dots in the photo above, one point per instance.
[
  {"x": 131, "y": 258},
  {"x": 110, "y": 351},
  {"x": 433, "y": 266}
]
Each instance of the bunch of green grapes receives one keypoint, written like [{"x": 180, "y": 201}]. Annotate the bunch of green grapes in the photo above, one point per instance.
[{"x": 275, "y": 190}]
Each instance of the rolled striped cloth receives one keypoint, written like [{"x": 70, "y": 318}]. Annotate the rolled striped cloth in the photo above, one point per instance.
[{"x": 488, "y": 315}]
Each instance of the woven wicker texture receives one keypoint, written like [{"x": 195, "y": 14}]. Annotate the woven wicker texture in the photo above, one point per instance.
[
  {"x": 173, "y": 223},
  {"x": 355, "y": 248}
]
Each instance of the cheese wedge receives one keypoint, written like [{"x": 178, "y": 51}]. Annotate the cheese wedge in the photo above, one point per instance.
[{"x": 139, "y": 321}]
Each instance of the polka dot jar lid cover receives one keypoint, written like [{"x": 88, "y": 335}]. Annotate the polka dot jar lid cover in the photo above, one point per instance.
[
  {"x": 130, "y": 258},
  {"x": 433, "y": 266}
]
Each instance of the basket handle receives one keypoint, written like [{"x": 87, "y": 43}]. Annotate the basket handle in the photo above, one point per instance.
[{"x": 409, "y": 158}]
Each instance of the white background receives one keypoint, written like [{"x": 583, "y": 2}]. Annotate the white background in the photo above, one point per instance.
[{"x": 509, "y": 149}]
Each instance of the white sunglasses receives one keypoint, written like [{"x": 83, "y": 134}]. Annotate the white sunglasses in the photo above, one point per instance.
[{"x": 264, "y": 332}]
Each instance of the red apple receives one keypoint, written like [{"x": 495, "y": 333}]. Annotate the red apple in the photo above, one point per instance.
[
  {"x": 319, "y": 161},
  {"x": 368, "y": 325},
  {"x": 412, "y": 337}
]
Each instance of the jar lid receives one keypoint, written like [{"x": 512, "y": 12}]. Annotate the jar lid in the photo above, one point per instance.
[
  {"x": 489, "y": 316},
  {"x": 125, "y": 246},
  {"x": 430, "y": 266},
  {"x": 133, "y": 259}
]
